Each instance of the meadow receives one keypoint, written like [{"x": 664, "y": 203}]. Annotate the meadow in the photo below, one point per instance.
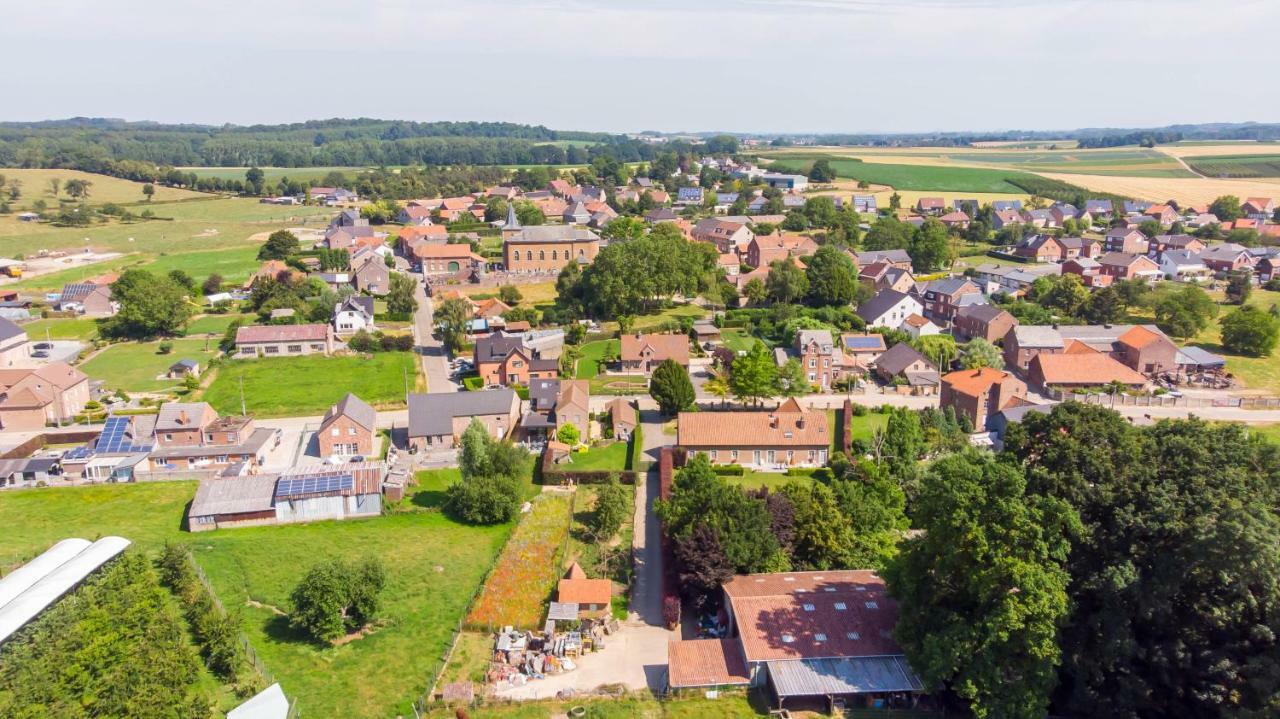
[
  {"x": 103, "y": 188},
  {"x": 433, "y": 567},
  {"x": 908, "y": 177},
  {"x": 134, "y": 366},
  {"x": 518, "y": 589},
  {"x": 299, "y": 386}
]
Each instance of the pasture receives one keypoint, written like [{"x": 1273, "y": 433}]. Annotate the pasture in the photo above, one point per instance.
[
  {"x": 135, "y": 366},
  {"x": 309, "y": 385},
  {"x": 433, "y": 567},
  {"x": 103, "y": 188}
]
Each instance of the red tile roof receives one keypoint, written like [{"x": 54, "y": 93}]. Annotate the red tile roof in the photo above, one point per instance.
[
  {"x": 975, "y": 383},
  {"x": 705, "y": 663},
  {"x": 282, "y": 333}
]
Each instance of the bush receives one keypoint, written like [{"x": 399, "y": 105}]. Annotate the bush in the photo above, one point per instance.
[
  {"x": 216, "y": 632},
  {"x": 473, "y": 383},
  {"x": 860, "y": 410},
  {"x": 337, "y": 597},
  {"x": 165, "y": 348},
  {"x": 671, "y": 611},
  {"x": 729, "y": 470},
  {"x": 484, "y": 500}
]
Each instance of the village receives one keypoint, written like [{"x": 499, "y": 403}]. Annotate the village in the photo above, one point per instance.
[{"x": 797, "y": 333}]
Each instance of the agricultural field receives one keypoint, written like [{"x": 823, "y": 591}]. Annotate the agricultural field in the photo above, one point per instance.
[
  {"x": 520, "y": 585},
  {"x": 273, "y": 174},
  {"x": 909, "y": 177},
  {"x": 433, "y": 567},
  {"x": 135, "y": 366},
  {"x": 1193, "y": 191},
  {"x": 295, "y": 386},
  {"x": 1237, "y": 166},
  {"x": 103, "y": 188}
]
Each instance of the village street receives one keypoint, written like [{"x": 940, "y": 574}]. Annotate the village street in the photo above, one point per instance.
[{"x": 435, "y": 360}]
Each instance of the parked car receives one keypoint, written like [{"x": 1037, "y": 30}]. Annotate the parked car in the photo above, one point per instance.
[{"x": 43, "y": 345}]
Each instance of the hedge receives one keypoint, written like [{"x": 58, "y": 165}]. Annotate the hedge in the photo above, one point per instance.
[
  {"x": 729, "y": 470},
  {"x": 635, "y": 459},
  {"x": 549, "y": 474}
]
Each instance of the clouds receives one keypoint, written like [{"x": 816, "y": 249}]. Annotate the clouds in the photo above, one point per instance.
[{"x": 784, "y": 65}]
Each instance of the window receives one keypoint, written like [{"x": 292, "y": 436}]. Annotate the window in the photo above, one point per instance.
[
  {"x": 271, "y": 350},
  {"x": 295, "y": 349},
  {"x": 317, "y": 347},
  {"x": 351, "y": 431},
  {"x": 168, "y": 438},
  {"x": 809, "y": 607},
  {"x": 788, "y": 639},
  {"x": 713, "y": 455},
  {"x": 791, "y": 454},
  {"x": 819, "y": 637},
  {"x": 872, "y": 605},
  {"x": 841, "y": 606},
  {"x": 553, "y": 254},
  {"x": 813, "y": 362},
  {"x": 852, "y": 635},
  {"x": 733, "y": 455},
  {"x": 542, "y": 254},
  {"x": 247, "y": 350},
  {"x": 771, "y": 456}
]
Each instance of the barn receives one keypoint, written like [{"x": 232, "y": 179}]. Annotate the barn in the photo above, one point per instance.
[{"x": 305, "y": 494}]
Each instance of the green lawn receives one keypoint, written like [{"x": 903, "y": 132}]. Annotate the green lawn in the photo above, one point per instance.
[
  {"x": 293, "y": 386},
  {"x": 213, "y": 324},
  {"x": 772, "y": 480},
  {"x": 235, "y": 264},
  {"x": 592, "y": 356},
  {"x": 737, "y": 339},
  {"x": 910, "y": 177},
  {"x": 72, "y": 328},
  {"x": 134, "y": 366},
  {"x": 433, "y": 566},
  {"x": 620, "y": 384},
  {"x": 610, "y": 457}
]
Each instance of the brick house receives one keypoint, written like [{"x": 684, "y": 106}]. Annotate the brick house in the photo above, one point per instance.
[
  {"x": 786, "y": 437},
  {"x": 818, "y": 357},
  {"x": 986, "y": 321},
  {"x": 726, "y": 235},
  {"x": 1146, "y": 351},
  {"x": 1226, "y": 257},
  {"x": 33, "y": 398},
  {"x": 941, "y": 298},
  {"x": 547, "y": 248},
  {"x": 182, "y": 424},
  {"x": 446, "y": 259},
  {"x": 283, "y": 340},
  {"x": 763, "y": 251},
  {"x": 980, "y": 393},
  {"x": 902, "y": 365},
  {"x": 437, "y": 420},
  {"x": 87, "y": 298},
  {"x": 1080, "y": 367},
  {"x": 1041, "y": 248},
  {"x": 1125, "y": 266},
  {"x": 503, "y": 359},
  {"x": 1126, "y": 240},
  {"x": 644, "y": 352},
  {"x": 348, "y": 429}
]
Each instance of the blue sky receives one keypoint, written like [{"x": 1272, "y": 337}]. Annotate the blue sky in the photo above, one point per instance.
[{"x": 743, "y": 65}]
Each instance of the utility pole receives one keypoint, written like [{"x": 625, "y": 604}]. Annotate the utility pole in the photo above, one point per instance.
[{"x": 243, "y": 411}]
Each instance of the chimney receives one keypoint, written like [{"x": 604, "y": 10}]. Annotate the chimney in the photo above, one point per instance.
[
  {"x": 773, "y": 421},
  {"x": 800, "y": 422},
  {"x": 182, "y": 417}
]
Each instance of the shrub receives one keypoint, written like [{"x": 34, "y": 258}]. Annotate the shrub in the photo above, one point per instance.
[
  {"x": 484, "y": 500},
  {"x": 860, "y": 410},
  {"x": 729, "y": 470},
  {"x": 166, "y": 347},
  {"x": 671, "y": 611}
]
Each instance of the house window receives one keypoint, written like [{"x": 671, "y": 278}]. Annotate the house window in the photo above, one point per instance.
[
  {"x": 872, "y": 605},
  {"x": 733, "y": 455},
  {"x": 247, "y": 350},
  {"x": 317, "y": 347},
  {"x": 771, "y": 456},
  {"x": 295, "y": 349},
  {"x": 713, "y": 455},
  {"x": 812, "y": 363},
  {"x": 852, "y": 635},
  {"x": 809, "y": 607},
  {"x": 553, "y": 254},
  {"x": 788, "y": 639},
  {"x": 841, "y": 606},
  {"x": 271, "y": 350},
  {"x": 542, "y": 254},
  {"x": 757, "y": 456},
  {"x": 351, "y": 431},
  {"x": 819, "y": 637},
  {"x": 333, "y": 432},
  {"x": 791, "y": 454}
]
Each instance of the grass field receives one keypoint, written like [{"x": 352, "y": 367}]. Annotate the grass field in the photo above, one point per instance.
[
  {"x": 592, "y": 356},
  {"x": 433, "y": 566},
  {"x": 293, "y": 386},
  {"x": 68, "y": 328},
  {"x": 611, "y": 457},
  {"x": 910, "y": 177},
  {"x": 35, "y": 186},
  {"x": 134, "y": 366},
  {"x": 737, "y": 339},
  {"x": 273, "y": 174},
  {"x": 213, "y": 324}
]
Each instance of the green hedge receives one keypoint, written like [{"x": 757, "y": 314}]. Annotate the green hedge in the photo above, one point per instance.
[
  {"x": 473, "y": 383},
  {"x": 635, "y": 458},
  {"x": 729, "y": 470}
]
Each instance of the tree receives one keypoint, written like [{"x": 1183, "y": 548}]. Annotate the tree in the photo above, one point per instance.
[
  {"x": 1105, "y": 306},
  {"x": 981, "y": 353},
  {"x": 982, "y": 590},
  {"x": 150, "y": 305},
  {"x": 148, "y": 190},
  {"x": 212, "y": 284},
  {"x": 887, "y": 233},
  {"x": 874, "y": 505},
  {"x": 568, "y": 433},
  {"x": 1226, "y": 208},
  {"x": 510, "y": 295},
  {"x": 255, "y": 178},
  {"x": 78, "y": 189},
  {"x": 822, "y": 534},
  {"x": 184, "y": 280},
  {"x": 786, "y": 283},
  {"x": 790, "y": 380},
  {"x": 833, "y": 279},
  {"x": 492, "y": 474},
  {"x": 401, "y": 301},
  {"x": 671, "y": 388},
  {"x": 755, "y": 292},
  {"x": 1250, "y": 331},
  {"x": 280, "y": 245},
  {"x": 453, "y": 317},
  {"x": 1186, "y": 312},
  {"x": 54, "y": 184},
  {"x": 821, "y": 171},
  {"x": 1239, "y": 287},
  {"x": 930, "y": 248},
  {"x": 901, "y": 447},
  {"x": 754, "y": 375},
  {"x": 717, "y": 385},
  {"x": 610, "y": 510},
  {"x": 336, "y": 597}
]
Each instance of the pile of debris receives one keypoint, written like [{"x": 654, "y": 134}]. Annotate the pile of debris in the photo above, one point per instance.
[{"x": 520, "y": 657}]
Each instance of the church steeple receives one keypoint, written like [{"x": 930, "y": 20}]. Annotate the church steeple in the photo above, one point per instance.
[{"x": 513, "y": 223}]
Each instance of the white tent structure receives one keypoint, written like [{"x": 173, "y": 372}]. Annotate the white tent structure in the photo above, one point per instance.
[
  {"x": 270, "y": 703},
  {"x": 46, "y": 591},
  {"x": 20, "y": 580}
]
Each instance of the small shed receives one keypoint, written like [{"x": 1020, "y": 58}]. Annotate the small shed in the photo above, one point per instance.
[
  {"x": 184, "y": 368},
  {"x": 706, "y": 332}
]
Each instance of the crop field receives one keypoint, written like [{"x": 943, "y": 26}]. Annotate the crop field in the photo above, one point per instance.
[
  {"x": 1203, "y": 148},
  {"x": 910, "y": 177},
  {"x": 294, "y": 386},
  {"x": 433, "y": 567},
  {"x": 103, "y": 188},
  {"x": 1237, "y": 166},
  {"x": 134, "y": 366},
  {"x": 517, "y": 591},
  {"x": 1194, "y": 191}
]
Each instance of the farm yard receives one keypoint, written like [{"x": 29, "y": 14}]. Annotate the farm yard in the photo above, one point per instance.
[
  {"x": 520, "y": 585},
  {"x": 291, "y": 386},
  {"x": 433, "y": 567}
]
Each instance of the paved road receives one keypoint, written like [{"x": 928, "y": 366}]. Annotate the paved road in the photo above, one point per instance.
[{"x": 435, "y": 360}]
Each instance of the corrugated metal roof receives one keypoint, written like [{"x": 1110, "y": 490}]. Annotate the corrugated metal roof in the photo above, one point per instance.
[
  {"x": 852, "y": 675},
  {"x": 47, "y": 591}
]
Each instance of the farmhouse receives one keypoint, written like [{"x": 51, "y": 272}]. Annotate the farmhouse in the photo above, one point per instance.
[
  {"x": 1080, "y": 367},
  {"x": 785, "y": 437},
  {"x": 191, "y": 435},
  {"x": 889, "y": 308},
  {"x": 805, "y": 636},
  {"x": 283, "y": 340},
  {"x": 437, "y": 420},
  {"x": 32, "y": 398},
  {"x": 348, "y": 429},
  {"x": 1141, "y": 348},
  {"x": 644, "y": 352},
  {"x": 87, "y": 298},
  {"x": 447, "y": 259}
]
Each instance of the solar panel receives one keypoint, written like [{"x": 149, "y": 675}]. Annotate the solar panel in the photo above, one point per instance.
[
  {"x": 76, "y": 453},
  {"x": 114, "y": 438},
  {"x": 315, "y": 484}
]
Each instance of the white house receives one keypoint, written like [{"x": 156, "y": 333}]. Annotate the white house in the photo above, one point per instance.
[
  {"x": 918, "y": 326},
  {"x": 353, "y": 314},
  {"x": 1184, "y": 266},
  {"x": 889, "y": 309}
]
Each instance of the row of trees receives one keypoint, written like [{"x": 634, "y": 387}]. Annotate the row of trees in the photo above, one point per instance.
[{"x": 1100, "y": 569}]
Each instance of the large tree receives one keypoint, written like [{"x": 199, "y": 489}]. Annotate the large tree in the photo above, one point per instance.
[
  {"x": 1250, "y": 331},
  {"x": 453, "y": 317},
  {"x": 401, "y": 301},
  {"x": 833, "y": 278},
  {"x": 981, "y": 353},
  {"x": 280, "y": 245},
  {"x": 887, "y": 233},
  {"x": 930, "y": 248},
  {"x": 786, "y": 283},
  {"x": 982, "y": 590},
  {"x": 1184, "y": 312},
  {"x": 671, "y": 388},
  {"x": 1226, "y": 208},
  {"x": 336, "y": 597},
  {"x": 754, "y": 375},
  {"x": 150, "y": 305}
]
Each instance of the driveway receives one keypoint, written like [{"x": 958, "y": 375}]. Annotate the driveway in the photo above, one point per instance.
[{"x": 435, "y": 360}]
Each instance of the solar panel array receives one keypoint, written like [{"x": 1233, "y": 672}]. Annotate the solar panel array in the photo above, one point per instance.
[
  {"x": 862, "y": 342},
  {"x": 80, "y": 452},
  {"x": 319, "y": 484},
  {"x": 115, "y": 439}
]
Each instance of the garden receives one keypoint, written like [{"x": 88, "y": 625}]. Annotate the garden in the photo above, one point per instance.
[
  {"x": 520, "y": 585},
  {"x": 295, "y": 386},
  {"x": 135, "y": 366}
]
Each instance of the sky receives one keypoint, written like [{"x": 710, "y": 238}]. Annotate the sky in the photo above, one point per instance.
[{"x": 792, "y": 66}]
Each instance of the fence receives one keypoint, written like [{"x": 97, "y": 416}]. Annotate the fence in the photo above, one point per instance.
[
  {"x": 1165, "y": 400},
  {"x": 38, "y": 442},
  {"x": 174, "y": 475}
]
